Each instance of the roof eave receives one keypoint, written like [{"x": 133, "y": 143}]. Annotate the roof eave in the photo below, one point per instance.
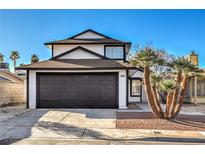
[
  {"x": 102, "y": 68},
  {"x": 55, "y": 43},
  {"x": 85, "y": 31}
]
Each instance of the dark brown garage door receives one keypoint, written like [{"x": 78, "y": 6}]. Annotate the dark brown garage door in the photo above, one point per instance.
[{"x": 77, "y": 90}]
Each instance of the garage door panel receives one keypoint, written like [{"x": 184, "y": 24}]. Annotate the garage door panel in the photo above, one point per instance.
[
  {"x": 64, "y": 104},
  {"x": 75, "y": 104},
  {"x": 77, "y": 90}
]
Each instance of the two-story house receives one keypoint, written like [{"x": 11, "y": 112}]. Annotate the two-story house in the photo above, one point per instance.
[{"x": 88, "y": 70}]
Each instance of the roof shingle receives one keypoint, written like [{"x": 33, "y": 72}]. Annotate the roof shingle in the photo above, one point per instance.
[
  {"x": 88, "y": 41},
  {"x": 74, "y": 64},
  {"x": 74, "y": 40}
]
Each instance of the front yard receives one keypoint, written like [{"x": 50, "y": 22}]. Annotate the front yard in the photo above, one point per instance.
[
  {"x": 192, "y": 118},
  {"x": 100, "y": 126}
]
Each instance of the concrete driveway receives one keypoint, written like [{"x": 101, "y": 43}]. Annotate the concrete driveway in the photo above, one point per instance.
[{"x": 62, "y": 123}]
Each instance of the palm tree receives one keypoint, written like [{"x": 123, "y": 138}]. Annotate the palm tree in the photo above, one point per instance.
[
  {"x": 178, "y": 64},
  {"x": 183, "y": 68},
  {"x": 189, "y": 70},
  {"x": 34, "y": 58},
  {"x": 155, "y": 82},
  {"x": 146, "y": 58},
  {"x": 1, "y": 57},
  {"x": 172, "y": 83},
  {"x": 14, "y": 57},
  {"x": 168, "y": 86}
]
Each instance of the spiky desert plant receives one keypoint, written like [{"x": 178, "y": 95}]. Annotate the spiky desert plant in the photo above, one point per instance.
[
  {"x": 146, "y": 57},
  {"x": 169, "y": 77},
  {"x": 189, "y": 70},
  {"x": 168, "y": 86}
]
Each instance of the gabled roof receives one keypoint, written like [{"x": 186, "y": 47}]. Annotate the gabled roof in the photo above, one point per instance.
[
  {"x": 76, "y": 64},
  {"x": 89, "y": 30},
  {"x": 10, "y": 76},
  {"x": 74, "y": 40},
  {"x": 80, "y": 48}
]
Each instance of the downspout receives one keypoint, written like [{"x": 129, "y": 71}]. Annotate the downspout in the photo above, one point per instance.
[{"x": 127, "y": 82}]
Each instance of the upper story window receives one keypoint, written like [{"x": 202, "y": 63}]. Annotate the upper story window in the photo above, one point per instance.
[{"x": 114, "y": 52}]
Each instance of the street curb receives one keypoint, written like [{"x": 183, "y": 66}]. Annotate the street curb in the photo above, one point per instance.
[
  {"x": 154, "y": 140},
  {"x": 161, "y": 131}
]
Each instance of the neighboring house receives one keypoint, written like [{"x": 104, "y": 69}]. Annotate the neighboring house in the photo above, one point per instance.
[
  {"x": 87, "y": 70},
  {"x": 12, "y": 88},
  {"x": 196, "y": 85},
  {"x": 4, "y": 66}
]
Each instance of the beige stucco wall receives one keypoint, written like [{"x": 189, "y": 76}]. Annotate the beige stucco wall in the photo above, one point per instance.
[
  {"x": 12, "y": 93},
  {"x": 89, "y": 35},
  {"x": 59, "y": 49},
  {"x": 79, "y": 54}
]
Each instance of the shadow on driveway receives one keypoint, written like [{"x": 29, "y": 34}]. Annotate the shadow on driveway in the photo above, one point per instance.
[{"x": 49, "y": 123}]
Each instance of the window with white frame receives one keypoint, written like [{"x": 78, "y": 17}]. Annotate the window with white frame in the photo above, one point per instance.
[
  {"x": 135, "y": 87},
  {"x": 114, "y": 52}
]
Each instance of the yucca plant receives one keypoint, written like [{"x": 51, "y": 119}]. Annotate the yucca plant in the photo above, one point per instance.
[
  {"x": 169, "y": 77},
  {"x": 146, "y": 57},
  {"x": 178, "y": 64},
  {"x": 168, "y": 86},
  {"x": 183, "y": 69},
  {"x": 189, "y": 70}
]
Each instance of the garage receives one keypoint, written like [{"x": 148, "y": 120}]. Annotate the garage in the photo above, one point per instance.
[{"x": 77, "y": 90}]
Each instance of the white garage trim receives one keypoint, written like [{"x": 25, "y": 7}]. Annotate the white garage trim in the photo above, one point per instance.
[{"x": 121, "y": 79}]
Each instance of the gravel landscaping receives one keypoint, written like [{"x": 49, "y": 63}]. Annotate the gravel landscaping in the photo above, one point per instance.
[
  {"x": 146, "y": 120},
  {"x": 139, "y": 116},
  {"x": 8, "y": 112}
]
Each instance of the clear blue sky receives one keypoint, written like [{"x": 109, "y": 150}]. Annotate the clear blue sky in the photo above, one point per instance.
[{"x": 177, "y": 31}]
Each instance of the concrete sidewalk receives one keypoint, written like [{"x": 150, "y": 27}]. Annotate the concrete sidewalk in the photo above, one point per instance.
[
  {"x": 137, "y": 141},
  {"x": 84, "y": 126},
  {"x": 55, "y": 135}
]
